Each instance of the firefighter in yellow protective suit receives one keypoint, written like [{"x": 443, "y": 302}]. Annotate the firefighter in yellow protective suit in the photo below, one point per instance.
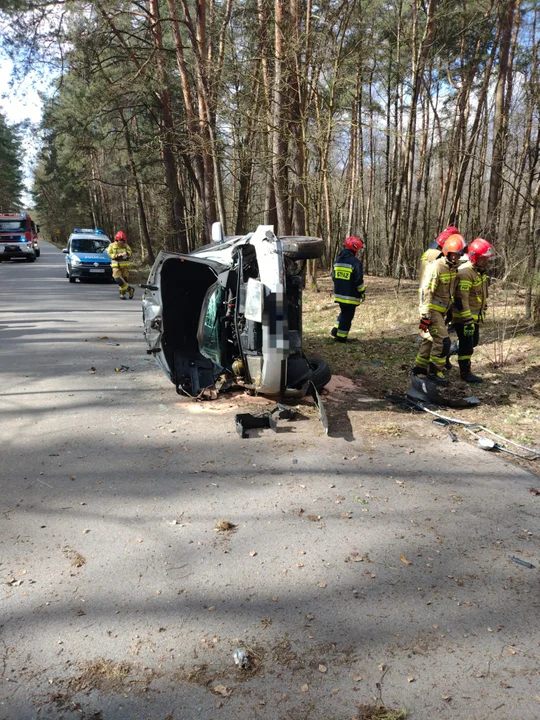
[
  {"x": 434, "y": 251},
  {"x": 120, "y": 254},
  {"x": 436, "y": 296},
  {"x": 470, "y": 304}
]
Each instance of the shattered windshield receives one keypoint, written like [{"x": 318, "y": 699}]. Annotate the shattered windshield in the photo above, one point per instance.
[
  {"x": 210, "y": 336},
  {"x": 89, "y": 245}
]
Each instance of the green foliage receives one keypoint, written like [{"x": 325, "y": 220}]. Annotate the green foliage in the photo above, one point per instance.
[{"x": 11, "y": 168}]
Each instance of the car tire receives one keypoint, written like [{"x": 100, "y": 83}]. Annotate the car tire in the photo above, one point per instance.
[
  {"x": 321, "y": 372},
  {"x": 31, "y": 258},
  {"x": 71, "y": 278},
  {"x": 38, "y": 253},
  {"x": 302, "y": 248}
]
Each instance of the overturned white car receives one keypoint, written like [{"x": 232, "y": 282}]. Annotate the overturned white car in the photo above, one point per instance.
[{"x": 231, "y": 313}]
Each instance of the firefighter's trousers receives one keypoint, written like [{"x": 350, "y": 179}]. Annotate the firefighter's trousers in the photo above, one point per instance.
[
  {"x": 435, "y": 344},
  {"x": 344, "y": 320},
  {"x": 121, "y": 276},
  {"x": 466, "y": 346}
]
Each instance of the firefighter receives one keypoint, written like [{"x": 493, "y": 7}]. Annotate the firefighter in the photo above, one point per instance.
[
  {"x": 120, "y": 254},
  {"x": 436, "y": 297},
  {"x": 434, "y": 251},
  {"x": 349, "y": 289},
  {"x": 470, "y": 304}
]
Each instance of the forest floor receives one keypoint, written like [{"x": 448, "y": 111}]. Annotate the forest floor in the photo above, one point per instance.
[{"x": 383, "y": 344}]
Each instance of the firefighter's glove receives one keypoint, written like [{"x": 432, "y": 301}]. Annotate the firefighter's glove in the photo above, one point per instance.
[
  {"x": 362, "y": 295},
  {"x": 468, "y": 330},
  {"x": 425, "y": 323}
]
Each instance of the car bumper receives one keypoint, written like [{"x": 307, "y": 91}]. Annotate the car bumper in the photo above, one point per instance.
[
  {"x": 91, "y": 272},
  {"x": 8, "y": 252}
]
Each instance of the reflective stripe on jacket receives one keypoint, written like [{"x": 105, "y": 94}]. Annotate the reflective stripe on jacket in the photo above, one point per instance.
[
  {"x": 438, "y": 287},
  {"x": 115, "y": 252},
  {"x": 348, "y": 278},
  {"x": 471, "y": 295}
]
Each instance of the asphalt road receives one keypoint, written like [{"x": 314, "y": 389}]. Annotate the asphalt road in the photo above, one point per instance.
[{"x": 357, "y": 568}]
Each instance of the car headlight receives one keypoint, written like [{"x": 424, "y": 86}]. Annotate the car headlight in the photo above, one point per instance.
[{"x": 76, "y": 261}]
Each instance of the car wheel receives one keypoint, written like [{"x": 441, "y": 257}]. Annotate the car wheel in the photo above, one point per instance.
[
  {"x": 321, "y": 372},
  {"x": 302, "y": 248},
  {"x": 38, "y": 253},
  {"x": 31, "y": 258},
  {"x": 71, "y": 278}
]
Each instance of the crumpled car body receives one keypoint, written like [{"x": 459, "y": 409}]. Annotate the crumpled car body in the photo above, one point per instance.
[{"x": 231, "y": 313}]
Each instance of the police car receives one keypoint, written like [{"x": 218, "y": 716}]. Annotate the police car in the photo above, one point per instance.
[
  {"x": 86, "y": 255},
  {"x": 232, "y": 312}
]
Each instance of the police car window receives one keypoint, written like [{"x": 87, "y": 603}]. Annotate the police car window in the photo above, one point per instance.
[{"x": 88, "y": 245}]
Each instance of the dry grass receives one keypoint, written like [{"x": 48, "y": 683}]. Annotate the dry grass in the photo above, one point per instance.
[
  {"x": 77, "y": 560},
  {"x": 101, "y": 674},
  {"x": 378, "y": 712},
  {"x": 387, "y": 429}
]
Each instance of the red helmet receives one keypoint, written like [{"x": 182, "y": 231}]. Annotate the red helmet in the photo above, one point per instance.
[
  {"x": 354, "y": 243},
  {"x": 479, "y": 248},
  {"x": 454, "y": 244},
  {"x": 443, "y": 237},
  {"x": 120, "y": 235}
]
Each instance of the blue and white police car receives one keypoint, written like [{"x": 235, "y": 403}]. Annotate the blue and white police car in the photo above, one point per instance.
[{"x": 86, "y": 255}]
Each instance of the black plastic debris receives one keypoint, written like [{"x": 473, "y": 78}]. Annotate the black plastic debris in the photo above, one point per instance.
[
  {"x": 121, "y": 368},
  {"x": 426, "y": 391},
  {"x": 264, "y": 419}
]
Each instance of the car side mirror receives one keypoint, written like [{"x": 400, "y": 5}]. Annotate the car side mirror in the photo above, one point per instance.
[
  {"x": 217, "y": 232},
  {"x": 65, "y": 250}
]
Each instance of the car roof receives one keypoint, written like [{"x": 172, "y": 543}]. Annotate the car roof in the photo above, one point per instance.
[{"x": 89, "y": 236}]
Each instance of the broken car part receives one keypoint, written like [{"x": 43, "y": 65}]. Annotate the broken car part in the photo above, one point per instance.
[
  {"x": 426, "y": 391},
  {"x": 519, "y": 561},
  {"x": 419, "y": 404},
  {"x": 264, "y": 419},
  {"x": 488, "y": 444}
]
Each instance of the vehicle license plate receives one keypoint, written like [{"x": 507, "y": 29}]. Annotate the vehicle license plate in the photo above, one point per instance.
[{"x": 97, "y": 270}]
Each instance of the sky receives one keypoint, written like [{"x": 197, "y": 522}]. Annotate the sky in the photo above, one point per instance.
[{"x": 17, "y": 103}]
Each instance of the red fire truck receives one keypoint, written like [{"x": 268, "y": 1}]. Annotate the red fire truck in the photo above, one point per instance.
[{"x": 18, "y": 237}]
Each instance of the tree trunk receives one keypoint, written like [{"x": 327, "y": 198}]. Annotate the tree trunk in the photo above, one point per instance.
[
  {"x": 500, "y": 120},
  {"x": 279, "y": 144}
]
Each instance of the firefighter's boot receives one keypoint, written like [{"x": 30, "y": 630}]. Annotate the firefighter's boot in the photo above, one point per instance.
[
  {"x": 122, "y": 296},
  {"x": 131, "y": 292},
  {"x": 436, "y": 375},
  {"x": 467, "y": 376}
]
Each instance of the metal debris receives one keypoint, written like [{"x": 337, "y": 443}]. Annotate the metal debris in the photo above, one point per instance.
[{"x": 519, "y": 561}]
